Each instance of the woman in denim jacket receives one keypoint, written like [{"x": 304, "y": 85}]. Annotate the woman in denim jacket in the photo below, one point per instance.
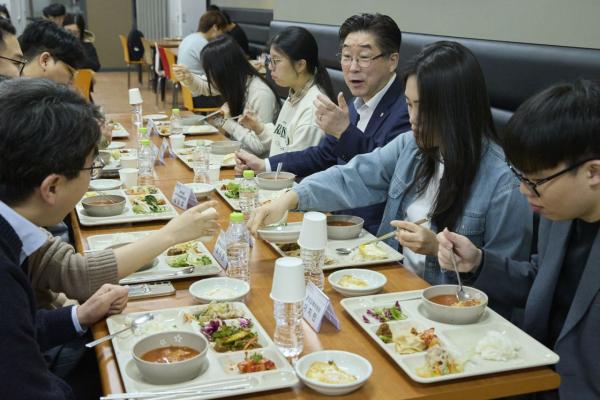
[{"x": 448, "y": 169}]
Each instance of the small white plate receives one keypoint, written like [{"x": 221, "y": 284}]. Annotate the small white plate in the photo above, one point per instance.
[
  {"x": 281, "y": 234},
  {"x": 199, "y": 130},
  {"x": 201, "y": 190},
  {"x": 115, "y": 145},
  {"x": 155, "y": 117},
  {"x": 348, "y": 362},
  {"x": 105, "y": 184},
  {"x": 194, "y": 143},
  {"x": 219, "y": 289},
  {"x": 375, "y": 282}
]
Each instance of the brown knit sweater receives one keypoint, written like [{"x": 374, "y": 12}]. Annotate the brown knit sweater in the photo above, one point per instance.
[{"x": 56, "y": 268}]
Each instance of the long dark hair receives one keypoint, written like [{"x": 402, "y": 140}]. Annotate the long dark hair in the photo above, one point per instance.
[
  {"x": 453, "y": 121},
  {"x": 299, "y": 44},
  {"x": 76, "y": 19},
  {"x": 227, "y": 68}
]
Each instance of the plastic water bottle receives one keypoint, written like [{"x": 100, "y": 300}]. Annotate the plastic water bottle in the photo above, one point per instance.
[
  {"x": 142, "y": 134},
  {"x": 175, "y": 122},
  {"x": 136, "y": 115},
  {"x": 288, "y": 294},
  {"x": 248, "y": 194},
  {"x": 145, "y": 163},
  {"x": 200, "y": 163},
  {"x": 313, "y": 266},
  {"x": 238, "y": 248}
]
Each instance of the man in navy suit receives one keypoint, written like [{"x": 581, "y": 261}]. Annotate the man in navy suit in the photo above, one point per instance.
[
  {"x": 369, "y": 57},
  {"x": 553, "y": 145},
  {"x": 48, "y": 139}
]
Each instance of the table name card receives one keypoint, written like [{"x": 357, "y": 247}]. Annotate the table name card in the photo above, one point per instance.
[
  {"x": 164, "y": 147},
  {"x": 220, "y": 250},
  {"x": 152, "y": 128},
  {"x": 318, "y": 306},
  {"x": 183, "y": 196}
]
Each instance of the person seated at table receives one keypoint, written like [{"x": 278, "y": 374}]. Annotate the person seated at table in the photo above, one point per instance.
[
  {"x": 553, "y": 147},
  {"x": 52, "y": 52},
  {"x": 55, "y": 12},
  {"x": 294, "y": 63},
  {"x": 75, "y": 25},
  {"x": 448, "y": 169},
  {"x": 369, "y": 57},
  {"x": 234, "y": 30},
  {"x": 48, "y": 136},
  {"x": 229, "y": 74},
  {"x": 11, "y": 56}
]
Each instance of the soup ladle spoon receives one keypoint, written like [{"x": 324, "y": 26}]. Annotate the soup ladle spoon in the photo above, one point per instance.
[
  {"x": 142, "y": 319},
  {"x": 461, "y": 295}
]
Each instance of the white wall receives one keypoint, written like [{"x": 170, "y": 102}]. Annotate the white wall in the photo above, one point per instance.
[
  {"x": 556, "y": 22},
  {"x": 18, "y": 10},
  {"x": 265, "y": 4},
  {"x": 184, "y": 16}
]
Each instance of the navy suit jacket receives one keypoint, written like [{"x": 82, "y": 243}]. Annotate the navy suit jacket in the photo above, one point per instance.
[
  {"x": 25, "y": 332},
  {"x": 532, "y": 285},
  {"x": 390, "y": 118}
]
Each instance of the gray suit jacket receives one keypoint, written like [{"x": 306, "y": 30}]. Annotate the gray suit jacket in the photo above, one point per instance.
[{"x": 532, "y": 285}]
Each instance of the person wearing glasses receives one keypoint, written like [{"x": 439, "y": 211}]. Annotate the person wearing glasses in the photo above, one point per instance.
[
  {"x": 294, "y": 63},
  {"x": 11, "y": 57},
  {"x": 552, "y": 143},
  {"x": 448, "y": 169},
  {"x": 369, "y": 45},
  {"x": 51, "y": 51},
  {"x": 48, "y": 136}
]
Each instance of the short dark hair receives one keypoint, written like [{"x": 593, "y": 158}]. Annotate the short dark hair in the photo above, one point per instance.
[
  {"x": 210, "y": 18},
  {"x": 45, "y": 128},
  {"x": 54, "y": 10},
  {"x": 6, "y": 28},
  {"x": 43, "y": 35},
  {"x": 76, "y": 19},
  {"x": 559, "y": 124},
  {"x": 4, "y": 10},
  {"x": 388, "y": 35}
]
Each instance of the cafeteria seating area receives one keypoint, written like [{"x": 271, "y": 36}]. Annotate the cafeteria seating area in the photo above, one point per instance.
[{"x": 279, "y": 199}]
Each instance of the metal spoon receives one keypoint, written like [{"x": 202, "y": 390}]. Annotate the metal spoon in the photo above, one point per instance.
[
  {"x": 279, "y": 165},
  {"x": 347, "y": 250},
  {"x": 142, "y": 319},
  {"x": 461, "y": 295}
]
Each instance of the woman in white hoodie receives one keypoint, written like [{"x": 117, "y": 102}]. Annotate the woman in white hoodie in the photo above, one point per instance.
[{"x": 229, "y": 74}]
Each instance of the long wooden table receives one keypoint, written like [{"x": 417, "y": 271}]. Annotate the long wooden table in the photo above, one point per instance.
[{"x": 388, "y": 380}]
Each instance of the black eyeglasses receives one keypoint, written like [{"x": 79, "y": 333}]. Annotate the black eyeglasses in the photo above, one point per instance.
[
  {"x": 19, "y": 63},
  {"x": 533, "y": 185},
  {"x": 96, "y": 168}
]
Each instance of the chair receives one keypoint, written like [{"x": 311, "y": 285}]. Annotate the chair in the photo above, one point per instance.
[
  {"x": 149, "y": 61},
  {"x": 188, "y": 102},
  {"x": 130, "y": 62},
  {"x": 167, "y": 59},
  {"x": 82, "y": 81}
]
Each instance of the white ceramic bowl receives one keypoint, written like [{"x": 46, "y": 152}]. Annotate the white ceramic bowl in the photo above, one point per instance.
[
  {"x": 281, "y": 234},
  {"x": 225, "y": 147},
  {"x": 350, "y": 231},
  {"x": 219, "y": 289},
  {"x": 267, "y": 181},
  {"x": 349, "y": 362},
  {"x": 375, "y": 281},
  {"x": 104, "y": 184},
  {"x": 201, "y": 190},
  {"x": 449, "y": 314},
  {"x": 115, "y": 145},
  {"x": 162, "y": 373},
  {"x": 194, "y": 143}
]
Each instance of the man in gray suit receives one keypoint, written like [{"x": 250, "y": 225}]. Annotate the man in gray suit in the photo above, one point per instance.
[{"x": 553, "y": 146}]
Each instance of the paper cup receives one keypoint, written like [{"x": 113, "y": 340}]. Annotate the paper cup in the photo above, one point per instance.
[
  {"x": 128, "y": 176},
  {"x": 177, "y": 141},
  {"x": 313, "y": 233},
  {"x": 288, "y": 280},
  {"x": 214, "y": 171},
  {"x": 129, "y": 162},
  {"x": 135, "y": 97}
]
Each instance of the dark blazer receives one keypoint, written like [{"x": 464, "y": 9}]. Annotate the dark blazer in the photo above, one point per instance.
[
  {"x": 25, "y": 332},
  {"x": 532, "y": 285},
  {"x": 390, "y": 118}
]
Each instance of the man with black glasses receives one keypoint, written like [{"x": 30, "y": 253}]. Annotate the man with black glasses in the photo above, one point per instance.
[
  {"x": 48, "y": 139},
  {"x": 552, "y": 144},
  {"x": 11, "y": 57}
]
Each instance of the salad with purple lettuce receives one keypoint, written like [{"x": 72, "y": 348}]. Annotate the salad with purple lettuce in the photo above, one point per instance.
[
  {"x": 231, "y": 336},
  {"x": 384, "y": 314}
]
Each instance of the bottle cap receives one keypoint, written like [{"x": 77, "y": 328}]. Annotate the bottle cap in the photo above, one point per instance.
[
  {"x": 175, "y": 111},
  {"x": 248, "y": 173},
  {"x": 142, "y": 130},
  {"x": 145, "y": 141},
  {"x": 236, "y": 217}
]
